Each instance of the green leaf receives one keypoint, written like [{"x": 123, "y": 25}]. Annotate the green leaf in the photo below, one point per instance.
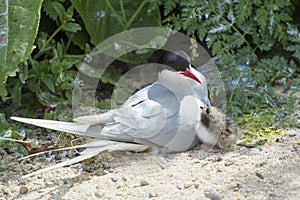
[
  {"x": 102, "y": 19},
  {"x": 20, "y": 149},
  {"x": 47, "y": 80},
  {"x": 243, "y": 10},
  {"x": 3, "y": 123},
  {"x": 16, "y": 135},
  {"x": 3, "y": 44},
  {"x": 49, "y": 10},
  {"x": 16, "y": 93},
  {"x": 23, "y": 20},
  {"x": 59, "y": 51},
  {"x": 81, "y": 38},
  {"x": 59, "y": 9},
  {"x": 72, "y": 27},
  {"x": 70, "y": 11},
  {"x": 46, "y": 98},
  {"x": 23, "y": 72}
]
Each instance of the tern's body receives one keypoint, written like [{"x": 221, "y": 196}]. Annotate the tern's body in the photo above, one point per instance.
[{"x": 165, "y": 115}]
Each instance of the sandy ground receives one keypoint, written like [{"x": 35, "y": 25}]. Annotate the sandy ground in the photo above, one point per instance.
[{"x": 269, "y": 172}]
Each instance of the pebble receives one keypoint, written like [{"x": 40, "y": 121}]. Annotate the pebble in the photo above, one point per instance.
[
  {"x": 153, "y": 194},
  {"x": 228, "y": 163},
  {"x": 187, "y": 185},
  {"x": 212, "y": 196},
  {"x": 60, "y": 182},
  {"x": 114, "y": 179},
  {"x": 18, "y": 168},
  {"x": 179, "y": 187},
  {"x": 259, "y": 175},
  {"x": 27, "y": 167},
  {"x": 216, "y": 159},
  {"x": 23, "y": 190},
  {"x": 235, "y": 187},
  {"x": 111, "y": 170},
  {"x": 99, "y": 194},
  {"x": 261, "y": 164},
  {"x": 144, "y": 182},
  {"x": 124, "y": 178},
  {"x": 196, "y": 185}
]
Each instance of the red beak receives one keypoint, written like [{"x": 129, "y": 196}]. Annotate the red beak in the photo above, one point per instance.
[{"x": 189, "y": 74}]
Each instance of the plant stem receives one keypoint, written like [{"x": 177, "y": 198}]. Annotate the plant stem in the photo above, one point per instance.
[
  {"x": 137, "y": 12},
  {"x": 42, "y": 50},
  {"x": 123, "y": 11},
  {"x": 14, "y": 140},
  {"x": 74, "y": 56},
  {"x": 235, "y": 86},
  {"x": 50, "y": 151},
  {"x": 69, "y": 43},
  {"x": 110, "y": 6}
]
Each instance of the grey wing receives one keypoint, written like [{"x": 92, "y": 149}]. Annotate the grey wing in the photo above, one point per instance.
[
  {"x": 148, "y": 117},
  {"x": 151, "y": 119}
]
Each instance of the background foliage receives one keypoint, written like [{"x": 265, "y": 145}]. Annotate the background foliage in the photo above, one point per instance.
[{"x": 256, "y": 45}]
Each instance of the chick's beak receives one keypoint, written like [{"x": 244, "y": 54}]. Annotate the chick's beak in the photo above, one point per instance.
[
  {"x": 204, "y": 111},
  {"x": 204, "y": 116}
]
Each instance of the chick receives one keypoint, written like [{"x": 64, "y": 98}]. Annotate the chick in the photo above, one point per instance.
[{"x": 218, "y": 123}]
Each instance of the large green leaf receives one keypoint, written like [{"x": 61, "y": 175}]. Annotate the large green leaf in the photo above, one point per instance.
[
  {"x": 105, "y": 18},
  {"x": 21, "y": 21},
  {"x": 3, "y": 40}
]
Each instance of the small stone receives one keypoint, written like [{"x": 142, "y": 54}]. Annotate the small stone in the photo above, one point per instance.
[
  {"x": 235, "y": 187},
  {"x": 124, "y": 178},
  {"x": 216, "y": 159},
  {"x": 111, "y": 170},
  {"x": 261, "y": 164},
  {"x": 114, "y": 179},
  {"x": 99, "y": 194},
  {"x": 60, "y": 182},
  {"x": 23, "y": 190},
  {"x": 254, "y": 149},
  {"x": 119, "y": 194},
  {"x": 195, "y": 161},
  {"x": 219, "y": 170},
  {"x": 188, "y": 185},
  {"x": 212, "y": 196},
  {"x": 259, "y": 175},
  {"x": 228, "y": 163},
  {"x": 196, "y": 185},
  {"x": 179, "y": 187},
  {"x": 144, "y": 182},
  {"x": 18, "y": 168},
  {"x": 27, "y": 167},
  {"x": 153, "y": 194},
  {"x": 118, "y": 186}
]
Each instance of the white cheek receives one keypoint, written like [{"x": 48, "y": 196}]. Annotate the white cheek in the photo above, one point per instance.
[{"x": 205, "y": 136}]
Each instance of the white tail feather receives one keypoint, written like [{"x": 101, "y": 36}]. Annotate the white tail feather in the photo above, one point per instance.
[
  {"x": 102, "y": 118},
  {"x": 69, "y": 127},
  {"x": 93, "y": 149}
]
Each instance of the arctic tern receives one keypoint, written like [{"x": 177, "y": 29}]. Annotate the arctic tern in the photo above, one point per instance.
[{"x": 167, "y": 116}]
